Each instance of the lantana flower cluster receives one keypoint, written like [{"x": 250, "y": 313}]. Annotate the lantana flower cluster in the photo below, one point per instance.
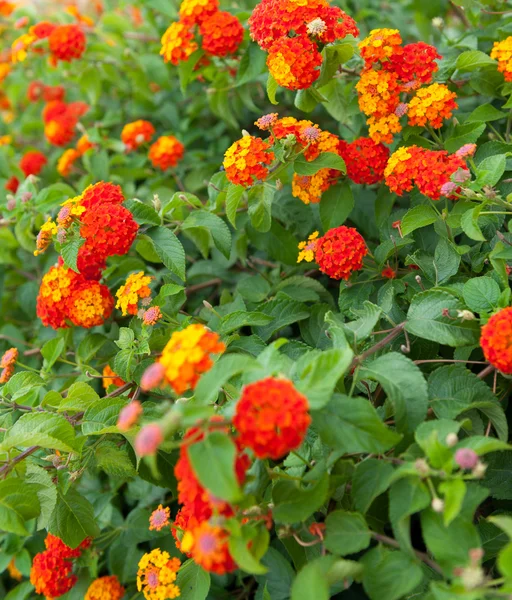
[
  {"x": 52, "y": 570},
  {"x": 502, "y": 52},
  {"x": 60, "y": 120},
  {"x": 293, "y": 33},
  {"x": 221, "y": 32},
  {"x": 391, "y": 73},
  {"x": 432, "y": 172}
]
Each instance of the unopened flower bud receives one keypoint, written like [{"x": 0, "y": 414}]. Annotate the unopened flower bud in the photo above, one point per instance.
[
  {"x": 21, "y": 22},
  {"x": 472, "y": 578},
  {"x": 461, "y": 176},
  {"x": 148, "y": 439},
  {"x": 207, "y": 305},
  {"x": 157, "y": 203},
  {"x": 476, "y": 555},
  {"x": 479, "y": 470},
  {"x": 466, "y": 458},
  {"x": 279, "y": 184},
  {"x": 152, "y": 377},
  {"x": 448, "y": 188},
  {"x": 11, "y": 203},
  {"x": 451, "y": 440},
  {"x": 245, "y": 133},
  {"x": 421, "y": 465},
  {"x": 438, "y": 22},
  {"x": 466, "y": 315},
  {"x": 26, "y": 196},
  {"x": 61, "y": 235},
  {"x": 129, "y": 415},
  {"x": 437, "y": 505}
]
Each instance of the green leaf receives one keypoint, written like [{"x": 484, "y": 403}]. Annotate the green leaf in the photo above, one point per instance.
[
  {"x": 464, "y": 134},
  {"x": 336, "y": 205},
  {"x": 260, "y": 206},
  {"x": 503, "y": 522},
  {"x": 406, "y": 497},
  {"x": 469, "y": 223},
  {"x": 51, "y": 351},
  {"x": 490, "y": 170},
  {"x": 485, "y": 113},
  {"x": 446, "y": 260},
  {"x": 321, "y": 374},
  {"x": 326, "y": 160},
  {"x": 242, "y": 554},
  {"x": 41, "y": 481},
  {"x": 351, "y": 425},
  {"x": 472, "y": 60},
  {"x": 240, "y": 318},
  {"x": 18, "y": 503},
  {"x": 390, "y": 575},
  {"x": 69, "y": 251},
  {"x": 284, "y": 311},
  {"x": 213, "y": 462},
  {"x": 215, "y": 225},
  {"x": 90, "y": 346},
  {"x": 372, "y": 478},
  {"x": 79, "y": 397},
  {"x": 481, "y": 294},
  {"x": 20, "y": 592},
  {"x": 186, "y": 69},
  {"x": 505, "y": 561},
  {"x": 169, "y": 249},
  {"x": 114, "y": 461},
  {"x": 193, "y": 581},
  {"x": 419, "y": 216},
  {"x": 234, "y": 194},
  {"x": 102, "y": 416},
  {"x": 293, "y": 504},
  {"x": 251, "y": 65},
  {"x": 73, "y": 519},
  {"x": 346, "y": 533},
  {"x": 367, "y": 318},
  {"x": 143, "y": 213},
  {"x": 404, "y": 385},
  {"x": 272, "y": 89},
  {"x": 123, "y": 364},
  {"x": 453, "y": 492},
  {"x": 425, "y": 319},
  {"x": 41, "y": 429},
  {"x": 223, "y": 370},
  {"x": 312, "y": 580}
]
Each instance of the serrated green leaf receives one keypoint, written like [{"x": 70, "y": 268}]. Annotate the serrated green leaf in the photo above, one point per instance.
[
  {"x": 169, "y": 249},
  {"x": 326, "y": 160}
]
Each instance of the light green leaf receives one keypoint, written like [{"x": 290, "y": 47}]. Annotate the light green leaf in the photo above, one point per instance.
[
  {"x": 416, "y": 217},
  {"x": 80, "y": 397},
  {"x": 336, "y": 205},
  {"x": 481, "y": 294},
  {"x": 234, "y": 194},
  {"x": 193, "y": 581},
  {"x": 73, "y": 519},
  {"x": 218, "y": 230},
  {"x": 326, "y": 160},
  {"x": 51, "y": 351},
  {"x": 41, "y": 429},
  {"x": 472, "y": 60},
  {"x": 346, "y": 532},
  {"x": 293, "y": 504},
  {"x": 169, "y": 249},
  {"x": 372, "y": 477}
]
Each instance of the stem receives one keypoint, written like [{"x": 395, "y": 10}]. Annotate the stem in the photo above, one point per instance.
[
  {"x": 378, "y": 346},
  {"x": 9, "y": 466},
  {"x": 200, "y": 286},
  {"x": 384, "y": 539},
  {"x": 488, "y": 370}
]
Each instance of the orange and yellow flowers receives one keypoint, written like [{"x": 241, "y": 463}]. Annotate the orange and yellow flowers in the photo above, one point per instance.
[
  {"x": 137, "y": 133},
  {"x": 271, "y": 417},
  {"x": 177, "y": 43},
  {"x": 365, "y": 160},
  {"x": 431, "y": 105},
  {"x": 129, "y": 294},
  {"x": 380, "y": 45},
  {"x": 502, "y": 52},
  {"x": 208, "y": 546},
  {"x": 496, "y": 340},
  {"x": 166, "y": 152},
  {"x": 105, "y": 588},
  {"x": 111, "y": 378},
  {"x": 7, "y": 363},
  {"x": 157, "y": 575},
  {"x": 246, "y": 160},
  {"x": 159, "y": 518},
  {"x": 222, "y": 34},
  {"x": 67, "y": 42},
  {"x": 294, "y": 62},
  {"x": 66, "y": 161},
  {"x": 338, "y": 253},
  {"x": 195, "y": 12}
]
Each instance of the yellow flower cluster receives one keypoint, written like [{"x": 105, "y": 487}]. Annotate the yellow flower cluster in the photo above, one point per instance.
[
  {"x": 309, "y": 188},
  {"x": 44, "y": 237},
  {"x": 502, "y": 52},
  {"x": 157, "y": 575},
  {"x": 431, "y": 105},
  {"x": 307, "y": 249},
  {"x": 400, "y": 155},
  {"x": 128, "y": 295},
  {"x": 177, "y": 43},
  {"x": 381, "y": 44}
]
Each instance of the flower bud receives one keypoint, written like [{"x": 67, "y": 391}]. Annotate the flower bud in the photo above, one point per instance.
[
  {"x": 438, "y": 22},
  {"x": 279, "y": 184},
  {"x": 451, "y": 440},
  {"x": 476, "y": 555},
  {"x": 245, "y": 133},
  {"x": 148, "y": 439},
  {"x": 129, "y": 415},
  {"x": 11, "y": 203},
  {"x": 421, "y": 465},
  {"x": 26, "y": 196},
  {"x": 466, "y": 315},
  {"x": 472, "y": 578},
  {"x": 437, "y": 505},
  {"x": 157, "y": 203},
  {"x": 461, "y": 175},
  {"x": 479, "y": 470},
  {"x": 152, "y": 377},
  {"x": 466, "y": 458}
]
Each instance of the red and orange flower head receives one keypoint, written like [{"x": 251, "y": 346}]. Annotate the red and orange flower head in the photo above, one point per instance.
[
  {"x": 109, "y": 228},
  {"x": 271, "y": 417},
  {"x": 186, "y": 519},
  {"x": 159, "y": 518},
  {"x": 195, "y": 12},
  {"x": 12, "y": 184},
  {"x": 53, "y": 93},
  {"x": 21, "y": 46},
  {"x": 152, "y": 315},
  {"x": 137, "y": 133},
  {"x": 6, "y": 8},
  {"x": 67, "y": 42},
  {"x": 35, "y": 91},
  {"x": 42, "y": 30},
  {"x": 135, "y": 288},
  {"x": 332, "y": 24},
  {"x": 246, "y": 160},
  {"x": 379, "y": 92},
  {"x": 502, "y": 52},
  {"x": 157, "y": 575},
  {"x": 401, "y": 169},
  {"x": 61, "y": 132},
  {"x": 60, "y": 120},
  {"x": 32, "y": 162},
  {"x": 431, "y": 105},
  {"x": 111, "y": 378},
  {"x": 89, "y": 263},
  {"x": 414, "y": 62},
  {"x": 338, "y": 253},
  {"x": 222, "y": 34},
  {"x": 208, "y": 546},
  {"x": 365, "y": 160},
  {"x": 66, "y": 162},
  {"x": 380, "y": 46},
  {"x": 105, "y": 588},
  {"x": 83, "y": 145},
  {"x": 166, "y": 152},
  {"x": 100, "y": 193},
  {"x": 294, "y": 62},
  {"x": 7, "y": 363},
  {"x": 178, "y": 43},
  {"x": 388, "y": 273},
  {"x": 90, "y": 304},
  {"x": 187, "y": 356},
  {"x": 266, "y": 122},
  {"x": 57, "y": 288},
  {"x": 496, "y": 340}
]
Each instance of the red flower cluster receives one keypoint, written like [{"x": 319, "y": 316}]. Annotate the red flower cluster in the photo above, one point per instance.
[
  {"x": 390, "y": 70},
  {"x": 137, "y": 133},
  {"x": 365, "y": 160},
  {"x": 67, "y": 43},
  {"x": 37, "y": 90},
  {"x": 496, "y": 340},
  {"x": 60, "y": 120},
  {"x": 294, "y": 61},
  {"x": 271, "y": 418},
  {"x": 166, "y": 152},
  {"x": 32, "y": 163},
  {"x": 222, "y": 33},
  {"x": 429, "y": 170},
  {"x": 12, "y": 184},
  {"x": 246, "y": 160},
  {"x": 52, "y": 570}
]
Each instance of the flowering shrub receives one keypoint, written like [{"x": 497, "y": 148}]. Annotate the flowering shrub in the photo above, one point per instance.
[{"x": 256, "y": 326}]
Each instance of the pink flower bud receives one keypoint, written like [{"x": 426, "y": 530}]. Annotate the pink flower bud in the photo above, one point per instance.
[
  {"x": 26, "y": 196},
  {"x": 466, "y": 458},
  {"x": 401, "y": 109},
  {"x": 148, "y": 439},
  {"x": 466, "y": 150},
  {"x": 11, "y": 203},
  {"x": 152, "y": 377},
  {"x": 21, "y": 22},
  {"x": 461, "y": 176},
  {"x": 129, "y": 415},
  {"x": 448, "y": 188}
]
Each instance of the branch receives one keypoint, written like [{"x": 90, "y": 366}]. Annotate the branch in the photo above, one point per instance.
[
  {"x": 395, "y": 332},
  {"x": 11, "y": 464},
  {"x": 384, "y": 539},
  {"x": 200, "y": 286}
]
